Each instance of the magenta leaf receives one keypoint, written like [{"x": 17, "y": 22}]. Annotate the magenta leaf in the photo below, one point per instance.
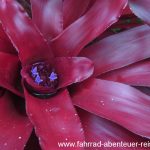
[
  {"x": 137, "y": 74},
  {"x": 55, "y": 120},
  {"x": 119, "y": 50},
  {"x": 73, "y": 69},
  {"x": 100, "y": 16},
  {"x": 15, "y": 128},
  {"x": 105, "y": 133},
  {"x": 48, "y": 16},
  {"x": 73, "y": 9},
  {"x": 23, "y": 33},
  {"x": 117, "y": 102},
  {"x": 141, "y": 8}
]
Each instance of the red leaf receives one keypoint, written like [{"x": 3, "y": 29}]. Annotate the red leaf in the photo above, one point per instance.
[
  {"x": 15, "y": 128},
  {"x": 73, "y": 69},
  {"x": 48, "y": 16},
  {"x": 137, "y": 74},
  {"x": 141, "y": 8},
  {"x": 9, "y": 66},
  {"x": 101, "y": 15},
  {"x": 103, "y": 131},
  {"x": 55, "y": 120},
  {"x": 73, "y": 9},
  {"x": 119, "y": 50},
  {"x": 117, "y": 102},
  {"x": 23, "y": 34}
]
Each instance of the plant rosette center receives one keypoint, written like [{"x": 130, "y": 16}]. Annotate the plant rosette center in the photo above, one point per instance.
[
  {"x": 41, "y": 78},
  {"x": 45, "y": 78}
]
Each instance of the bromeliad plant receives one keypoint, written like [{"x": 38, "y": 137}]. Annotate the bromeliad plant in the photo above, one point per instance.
[{"x": 74, "y": 89}]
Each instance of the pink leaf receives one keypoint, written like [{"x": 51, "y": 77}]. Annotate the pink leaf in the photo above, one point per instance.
[
  {"x": 137, "y": 74},
  {"x": 73, "y": 69},
  {"x": 119, "y": 50},
  {"x": 73, "y": 9},
  {"x": 100, "y": 16},
  {"x": 55, "y": 120},
  {"x": 48, "y": 16},
  {"x": 141, "y": 8},
  {"x": 22, "y": 32},
  {"x": 108, "y": 134},
  {"x": 117, "y": 102}
]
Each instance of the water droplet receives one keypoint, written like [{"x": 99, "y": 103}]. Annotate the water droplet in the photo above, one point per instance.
[
  {"x": 102, "y": 102},
  {"x": 76, "y": 114},
  {"x": 14, "y": 127},
  {"x": 19, "y": 137},
  {"x": 55, "y": 109},
  {"x": 81, "y": 130},
  {"x": 63, "y": 128},
  {"x": 66, "y": 139},
  {"x": 30, "y": 114},
  {"x": 39, "y": 138},
  {"x": 5, "y": 144}
]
